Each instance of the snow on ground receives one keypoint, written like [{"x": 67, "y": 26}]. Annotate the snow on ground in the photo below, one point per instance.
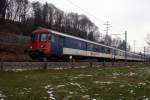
[
  {"x": 117, "y": 74},
  {"x": 102, "y": 82},
  {"x": 47, "y": 86},
  {"x": 75, "y": 84},
  {"x": 86, "y": 96},
  {"x": 131, "y": 74},
  {"x": 51, "y": 95},
  {"x": 59, "y": 86},
  {"x": 84, "y": 75},
  {"x": 50, "y": 91},
  {"x": 141, "y": 84},
  {"x": 2, "y": 96}
]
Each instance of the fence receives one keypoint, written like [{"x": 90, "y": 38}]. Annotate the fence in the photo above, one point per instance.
[{"x": 21, "y": 66}]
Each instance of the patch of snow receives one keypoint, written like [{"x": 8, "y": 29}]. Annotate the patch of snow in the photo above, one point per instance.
[
  {"x": 99, "y": 69},
  {"x": 96, "y": 94},
  {"x": 83, "y": 66},
  {"x": 142, "y": 83},
  {"x": 50, "y": 92},
  {"x": 116, "y": 74},
  {"x": 18, "y": 70},
  {"x": 70, "y": 92},
  {"x": 131, "y": 74},
  {"x": 96, "y": 82},
  {"x": 100, "y": 82},
  {"x": 59, "y": 68},
  {"x": 89, "y": 75},
  {"x": 121, "y": 86},
  {"x": 131, "y": 91},
  {"x": 146, "y": 98},
  {"x": 80, "y": 75},
  {"x": 47, "y": 87},
  {"x": 75, "y": 84},
  {"x": 114, "y": 77},
  {"x": 59, "y": 86},
  {"x": 108, "y": 82},
  {"x": 68, "y": 97},
  {"x": 83, "y": 75},
  {"x": 2, "y": 96},
  {"x": 22, "y": 93},
  {"x": 51, "y": 96},
  {"x": 86, "y": 96},
  {"x": 75, "y": 77}
]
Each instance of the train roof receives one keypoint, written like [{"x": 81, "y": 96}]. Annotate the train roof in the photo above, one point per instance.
[
  {"x": 41, "y": 30},
  {"x": 44, "y": 30},
  {"x": 65, "y": 35}
]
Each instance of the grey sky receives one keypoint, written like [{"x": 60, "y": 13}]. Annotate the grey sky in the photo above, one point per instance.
[{"x": 130, "y": 15}]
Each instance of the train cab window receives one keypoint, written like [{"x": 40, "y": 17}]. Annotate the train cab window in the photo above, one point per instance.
[
  {"x": 43, "y": 37},
  {"x": 35, "y": 37}
]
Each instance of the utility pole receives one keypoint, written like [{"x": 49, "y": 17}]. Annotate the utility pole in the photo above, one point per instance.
[
  {"x": 125, "y": 47},
  {"x": 134, "y": 46},
  {"x": 144, "y": 54},
  {"x": 107, "y": 27}
]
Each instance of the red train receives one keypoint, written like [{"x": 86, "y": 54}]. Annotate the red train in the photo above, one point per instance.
[
  {"x": 47, "y": 43},
  {"x": 40, "y": 44}
]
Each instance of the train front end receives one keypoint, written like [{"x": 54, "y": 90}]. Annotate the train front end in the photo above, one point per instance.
[{"x": 40, "y": 46}]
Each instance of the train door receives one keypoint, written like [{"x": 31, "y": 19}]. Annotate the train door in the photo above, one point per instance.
[{"x": 60, "y": 45}]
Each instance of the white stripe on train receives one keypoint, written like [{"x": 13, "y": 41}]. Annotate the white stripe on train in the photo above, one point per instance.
[{"x": 77, "y": 52}]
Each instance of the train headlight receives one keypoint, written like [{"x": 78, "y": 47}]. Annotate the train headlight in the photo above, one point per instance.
[{"x": 42, "y": 46}]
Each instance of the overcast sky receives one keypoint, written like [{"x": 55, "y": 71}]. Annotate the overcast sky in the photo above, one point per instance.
[{"x": 130, "y": 15}]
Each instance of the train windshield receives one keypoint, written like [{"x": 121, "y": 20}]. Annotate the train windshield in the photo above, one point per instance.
[
  {"x": 43, "y": 37},
  {"x": 35, "y": 37},
  {"x": 40, "y": 37}
]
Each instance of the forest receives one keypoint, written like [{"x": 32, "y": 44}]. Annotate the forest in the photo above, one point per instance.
[{"x": 27, "y": 16}]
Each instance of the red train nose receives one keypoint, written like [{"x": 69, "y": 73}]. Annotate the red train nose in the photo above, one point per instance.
[{"x": 44, "y": 47}]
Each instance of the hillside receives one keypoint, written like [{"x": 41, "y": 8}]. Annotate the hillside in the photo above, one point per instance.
[{"x": 13, "y": 43}]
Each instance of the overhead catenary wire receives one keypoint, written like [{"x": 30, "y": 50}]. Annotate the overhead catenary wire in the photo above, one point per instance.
[
  {"x": 93, "y": 16},
  {"x": 88, "y": 13},
  {"x": 83, "y": 10}
]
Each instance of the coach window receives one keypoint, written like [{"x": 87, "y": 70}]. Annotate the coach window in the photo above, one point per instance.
[
  {"x": 52, "y": 38},
  {"x": 79, "y": 45},
  {"x": 91, "y": 47}
]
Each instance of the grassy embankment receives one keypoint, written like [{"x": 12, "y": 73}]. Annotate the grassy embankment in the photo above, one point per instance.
[{"x": 117, "y": 83}]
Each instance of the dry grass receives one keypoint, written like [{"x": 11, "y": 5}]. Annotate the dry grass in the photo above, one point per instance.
[{"x": 118, "y": 83}]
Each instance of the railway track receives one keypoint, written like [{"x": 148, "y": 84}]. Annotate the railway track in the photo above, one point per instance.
[{"x": 30, "y": 65}]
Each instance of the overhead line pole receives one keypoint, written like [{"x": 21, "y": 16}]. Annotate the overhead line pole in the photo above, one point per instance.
[
  {"x": 134, "y": 46},
  {"x": 125, "y": 47},
  {"x": 144, "y": 54},
  {"x": 107, "y": 27}
]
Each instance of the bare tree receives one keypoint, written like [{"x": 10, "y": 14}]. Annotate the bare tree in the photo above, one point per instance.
[
  {"x": 37, "y": 13},
  {"x": 3, "y": 7},
  {"x": 107, "y": 40},
  {"x": 26, "y": 8}
]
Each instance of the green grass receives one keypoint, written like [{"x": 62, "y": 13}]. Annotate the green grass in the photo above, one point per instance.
[{"x": 113, "y": 83}]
